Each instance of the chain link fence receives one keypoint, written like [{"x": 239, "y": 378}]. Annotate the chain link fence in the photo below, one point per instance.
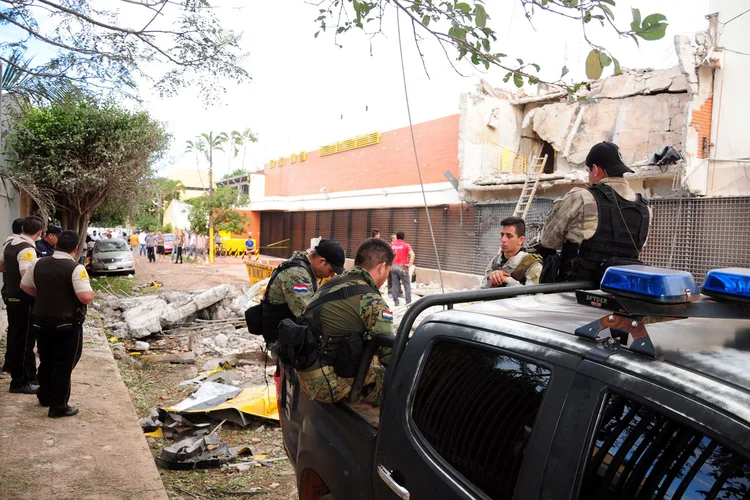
[{"x": 691, "y": 234}]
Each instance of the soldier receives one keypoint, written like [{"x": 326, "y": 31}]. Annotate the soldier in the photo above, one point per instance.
[
  {"x": 512, "y": 266},
  {"x": 603, "y": 222},
  {"x": 348, "y": 305},
  {"x": 295, "y": 281},
  {"x": 18, "y": 255},
  {"x": 16, "y": 228},
  {"x": 62, "y": 290},
  {"x": 46, "y": 246}
]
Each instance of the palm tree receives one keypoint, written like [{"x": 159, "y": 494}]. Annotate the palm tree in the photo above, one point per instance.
[
  {"x": 19, "y": 79},
  {"x": 242, "y": 139}
]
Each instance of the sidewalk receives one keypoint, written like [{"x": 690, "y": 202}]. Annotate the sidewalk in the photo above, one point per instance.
[{"x": 99, "y": 454}]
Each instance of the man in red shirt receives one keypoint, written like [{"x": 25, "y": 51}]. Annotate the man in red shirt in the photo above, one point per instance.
[{"x": 402, "y": 261}]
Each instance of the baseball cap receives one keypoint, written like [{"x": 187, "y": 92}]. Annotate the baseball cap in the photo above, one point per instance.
[
  {"x": 607, "y": 156},
  {"x": 56, "y": 230},
  {"x": 333, "y": 253}
]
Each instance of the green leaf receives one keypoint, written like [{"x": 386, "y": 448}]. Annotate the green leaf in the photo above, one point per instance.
[
  {"x": 464, "y": 8},
  {"x": 536, "y": 66},
  {"x": 655, "y": 33},
  {"x": 565, "y": 71},
  {"x": 457, "y": 33},
  {"x": 611, "y": 2},
  {"x": 520, "y": 61},
  {"x": 518, "y": 80},
  {"x": 486, "y": 44},
  {"x": 653, "y": 20},
  {"x": 593, "y": 65},
  {"x": 604, "y": 59},
  {"x": 486, "y": 64},
  {"x": 480, "y": 16},
  {"x": 636, "y": 24},
  {"x": 507, "y": 76},
  {"x": 617, "y": 66},
  {"x": 475, "y": 58},
  {"x": 425, "y": 20},
  {"x": 607, "y": 11}
]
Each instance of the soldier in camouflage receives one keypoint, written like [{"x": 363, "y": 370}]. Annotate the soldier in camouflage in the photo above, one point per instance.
[
  {"x": 292, "y": 288},
  {"x": 365, "y": 314},
  {"x": 512, "y": 266}
]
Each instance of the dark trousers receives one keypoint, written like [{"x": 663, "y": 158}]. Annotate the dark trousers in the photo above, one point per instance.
[
  {"x": 60, "y": 346},
  {"x": 179, "y": 256},
  {"x": 400, "y": 275},
  {"x": 151, "y": 256},
  {"x": 21, "y": 340}
]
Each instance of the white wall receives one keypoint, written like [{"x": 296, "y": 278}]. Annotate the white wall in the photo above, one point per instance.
[{"x": 729, "y": 167}]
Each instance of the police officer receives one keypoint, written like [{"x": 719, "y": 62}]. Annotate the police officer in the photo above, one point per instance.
[
  {"x": 62, "y": 290},
  {"x": 598, "y": 224},
  {"x": 46, "y": 246},
  {"x": 16, "y": 228},
  {"x": 18, "y": 256},
  {"x": 513, "y": 266},
  {"x": 350, "y": 304},
  {"x": 295, "y": 281}
]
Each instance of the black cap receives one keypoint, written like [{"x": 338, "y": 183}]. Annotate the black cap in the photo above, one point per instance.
[
  {"x": 333, "y": 253},
  {"x": 607, "y": 156},
  {"x": 56, "y": 230}
]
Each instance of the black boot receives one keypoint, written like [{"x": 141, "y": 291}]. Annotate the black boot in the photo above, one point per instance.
[{"x": 62, "y": 411}]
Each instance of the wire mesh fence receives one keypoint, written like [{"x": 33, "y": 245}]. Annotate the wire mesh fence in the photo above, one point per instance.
[{"x": 691, "y": 234}]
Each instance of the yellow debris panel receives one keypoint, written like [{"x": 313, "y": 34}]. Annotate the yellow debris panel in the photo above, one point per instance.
[
  {"x": 259, "y": 401},
  {"x": 156, "y": 434}
]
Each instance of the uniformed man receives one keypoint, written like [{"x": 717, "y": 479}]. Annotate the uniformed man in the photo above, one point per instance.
[
  {"x": 350, "y": 304},
  {"x": 512, "y": 266},
  {"x": 46, "y": 246},
  {"x": 595, "y": 225},
  {"x": 18, "y": 255},
  {"x": 16, "y": 228},
  {"x": 62, "y": 290},
  {"x": 295, "y": 281}
]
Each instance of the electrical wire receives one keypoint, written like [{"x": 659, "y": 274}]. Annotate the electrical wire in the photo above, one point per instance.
[
  {"x": 735, "y": 17},
  {"x": 416, "y": 156}
]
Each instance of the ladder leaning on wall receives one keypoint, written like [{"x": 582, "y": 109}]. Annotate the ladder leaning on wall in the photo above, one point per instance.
[{"x": 530, "y": 185}]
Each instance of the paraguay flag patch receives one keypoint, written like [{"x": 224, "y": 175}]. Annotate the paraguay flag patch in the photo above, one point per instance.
[
  {"x": 300, "y": 288},
  {"x": 388, "y": 315}
]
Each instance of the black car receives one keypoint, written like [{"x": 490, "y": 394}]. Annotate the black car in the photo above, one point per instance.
[{"x": 628, "y": 392}]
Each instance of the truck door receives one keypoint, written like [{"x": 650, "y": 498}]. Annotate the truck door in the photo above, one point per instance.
[{"x": 470, "y": 413}]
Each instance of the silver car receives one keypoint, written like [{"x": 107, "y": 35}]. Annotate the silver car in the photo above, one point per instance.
[{"x": 112, "y": 256}]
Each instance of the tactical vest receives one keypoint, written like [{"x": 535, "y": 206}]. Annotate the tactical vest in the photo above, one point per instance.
[
  {"x": 273, "y": 314},
  {"x": 12, "y": 274},
  {"x": 621, "y": 223},
  {"x": 55, "y": 295},
  {"x": 519, "y": 273}
]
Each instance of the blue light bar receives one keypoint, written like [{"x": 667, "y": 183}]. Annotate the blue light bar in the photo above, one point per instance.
[
  {"x": 652, "y": 284},
  {"x": 732, "y": 283}
]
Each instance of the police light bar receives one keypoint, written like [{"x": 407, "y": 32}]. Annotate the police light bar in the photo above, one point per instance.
[
  {"x": 652, "y": 284},
  {"x": 732, "y": 283}
]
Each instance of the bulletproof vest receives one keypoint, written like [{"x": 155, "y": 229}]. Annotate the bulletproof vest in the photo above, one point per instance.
[
  {"x": 12, "y": 274},
  {"x": 55, "y": 295},
  {"x": 352, "y": 290},
  {"x": 273, "y": 314},
  {"x": 621, "y": 224},
  {"x": 519, "y": 273}
]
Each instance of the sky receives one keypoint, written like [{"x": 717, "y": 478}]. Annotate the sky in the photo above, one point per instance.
[{"x": 306, "y": 92}]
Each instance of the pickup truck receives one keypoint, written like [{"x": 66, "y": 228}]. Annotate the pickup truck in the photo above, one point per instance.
[{"x": 558, "y": 391}]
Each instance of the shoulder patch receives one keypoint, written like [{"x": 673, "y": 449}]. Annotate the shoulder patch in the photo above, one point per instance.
[
  {"x": 300, "y": 288},
  {"x": 83, "y": 274},
  {"x": 28, "y": 255},
  {"x": 388, "y": 315}
]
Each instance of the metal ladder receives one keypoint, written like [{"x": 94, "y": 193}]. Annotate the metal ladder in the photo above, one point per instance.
[{"x": 530, "y": 186}]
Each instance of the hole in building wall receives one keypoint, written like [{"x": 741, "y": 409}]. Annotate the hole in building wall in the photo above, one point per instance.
[{"x": 547, "y": 149}]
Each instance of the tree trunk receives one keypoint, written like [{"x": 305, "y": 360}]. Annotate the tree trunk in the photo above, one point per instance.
[{"x": 74, "y": 220}]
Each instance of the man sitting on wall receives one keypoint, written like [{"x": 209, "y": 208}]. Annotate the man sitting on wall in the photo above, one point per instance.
[{"x": 512, "y": 266}]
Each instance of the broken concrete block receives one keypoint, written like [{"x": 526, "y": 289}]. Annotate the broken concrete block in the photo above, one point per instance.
[
  {"x": 141, "y": 346},
  {"x": 212, "y": 296},
  {"x": 132, "y": 302},
  {"x": 221, "y": 340},
  {"x": 174, "y": 313},
  {"x": 186, "y": 358},
  {"x": 145, "y": 319}
]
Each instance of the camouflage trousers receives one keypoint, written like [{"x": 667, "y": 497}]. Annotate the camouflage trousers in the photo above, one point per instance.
[{"x": 322, "y": 384}]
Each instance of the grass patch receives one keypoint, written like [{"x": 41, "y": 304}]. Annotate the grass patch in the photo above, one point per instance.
[{"x": 121, "y": 286}]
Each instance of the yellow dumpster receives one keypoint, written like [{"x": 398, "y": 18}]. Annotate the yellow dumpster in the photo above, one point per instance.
[{"x": 258, "y": 271}]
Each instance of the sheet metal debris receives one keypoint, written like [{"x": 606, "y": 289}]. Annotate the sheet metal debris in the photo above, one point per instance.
[{"x": 251, "y": 402}]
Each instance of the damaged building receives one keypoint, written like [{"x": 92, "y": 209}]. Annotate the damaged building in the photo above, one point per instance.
[{"x": 679, "y": 128}]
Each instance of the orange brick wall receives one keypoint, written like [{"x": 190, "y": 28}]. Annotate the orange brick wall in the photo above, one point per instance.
[
  {"x": 702, "y": 123},
  {"x": 387, "y": 164}
]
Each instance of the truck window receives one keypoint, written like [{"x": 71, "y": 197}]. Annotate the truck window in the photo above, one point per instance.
[
  {"x": 476, "y": 408},
  {"x": 641, "y": 453}
]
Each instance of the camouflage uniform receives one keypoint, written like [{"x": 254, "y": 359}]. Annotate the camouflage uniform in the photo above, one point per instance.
[
  {"x": 366, "y": 314},
  {"x": 575, "y": 216},
  {"x": 293, "y": 286},
  {"x": 532, "y": 263}
]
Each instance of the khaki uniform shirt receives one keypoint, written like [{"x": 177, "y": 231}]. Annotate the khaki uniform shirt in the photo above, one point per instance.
[
  {"x": 293, "y": 286},
  {"x": 80, "y": 277},
  {"x": 497, "y": 264},
  {"x": 575, "y": 216},
  {"x": 27, "y": 256}
]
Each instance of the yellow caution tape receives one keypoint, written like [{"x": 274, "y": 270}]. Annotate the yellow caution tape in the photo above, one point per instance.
[{"x": 113, "y": 340}]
